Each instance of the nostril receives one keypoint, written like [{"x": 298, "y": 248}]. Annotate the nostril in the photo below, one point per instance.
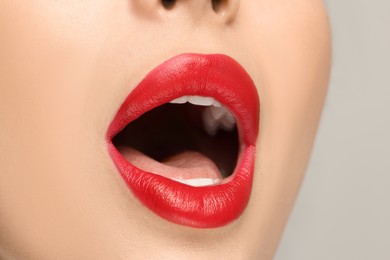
[
  {"x": 218, "y": 5},
  {"x": 168, "y": 4},
  {"x": 225, "y": 9}
]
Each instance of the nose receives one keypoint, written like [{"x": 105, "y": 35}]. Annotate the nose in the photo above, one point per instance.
[{"x": 223, "y": 10}]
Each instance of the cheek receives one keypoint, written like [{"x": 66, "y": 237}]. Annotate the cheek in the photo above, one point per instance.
[
  {"x": 47, "y": 59},
  {"x": 52, "y": 55},
  {"x": 49, "y": 85},
  {"x": 292, "y": 50}
]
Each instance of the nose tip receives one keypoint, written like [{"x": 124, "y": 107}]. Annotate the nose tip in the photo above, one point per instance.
[{"x": 224, "y": 9}]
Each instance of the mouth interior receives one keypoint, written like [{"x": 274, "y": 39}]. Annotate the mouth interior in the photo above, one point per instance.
[{"x": 182, "y": 136}]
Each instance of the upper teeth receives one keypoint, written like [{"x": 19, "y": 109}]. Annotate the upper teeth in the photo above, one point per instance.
[
  {"x": 197, "y": 100},
  {"x": 215, "y": 116}
]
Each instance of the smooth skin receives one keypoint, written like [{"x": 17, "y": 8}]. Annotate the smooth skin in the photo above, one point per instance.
[{"x": 66, "y": 67}]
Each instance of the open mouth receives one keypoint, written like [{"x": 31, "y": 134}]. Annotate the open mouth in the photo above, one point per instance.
[
  {"x": 184, "y": 140},
  {"x": 192, "y": 140}
]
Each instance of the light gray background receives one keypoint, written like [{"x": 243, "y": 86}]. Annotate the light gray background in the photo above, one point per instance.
[{"x": 343, "y": 211}]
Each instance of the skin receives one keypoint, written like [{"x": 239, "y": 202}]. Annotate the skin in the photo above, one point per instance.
[{"x": 66, "y": 67}]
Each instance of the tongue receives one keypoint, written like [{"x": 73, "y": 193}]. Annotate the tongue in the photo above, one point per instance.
[{"x": 182, "y": 166}]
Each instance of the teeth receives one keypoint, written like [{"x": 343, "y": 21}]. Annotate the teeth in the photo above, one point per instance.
[
  {"x": 197, "y": 100},
  {"x": 198, "y": 182},
  {"x": 201, "y": 101},
  {"x": 217, "y": 117},
  {"x": 217, "y": 112},
  {"x": 228, "y": 121},
  {"x": 180, "y": 100},
  {"x": 209, "y": 123},
  {"x": 216, "y": 103}
]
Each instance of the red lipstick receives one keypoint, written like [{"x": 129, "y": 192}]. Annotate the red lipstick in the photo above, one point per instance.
[{"x": 217, "y": 76}]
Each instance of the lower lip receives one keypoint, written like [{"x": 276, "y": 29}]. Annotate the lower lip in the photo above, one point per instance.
[{"x": 217, "y": 76}]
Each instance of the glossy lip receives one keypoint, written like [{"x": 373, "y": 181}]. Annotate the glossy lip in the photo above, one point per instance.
[{"x": 217, "y": 76}]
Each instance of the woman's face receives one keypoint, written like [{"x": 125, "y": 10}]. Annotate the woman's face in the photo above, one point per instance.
[{"x": 66, "y": 67}]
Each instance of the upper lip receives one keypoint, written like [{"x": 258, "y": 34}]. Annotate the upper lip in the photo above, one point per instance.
[{"x": 217, "y": 76}]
